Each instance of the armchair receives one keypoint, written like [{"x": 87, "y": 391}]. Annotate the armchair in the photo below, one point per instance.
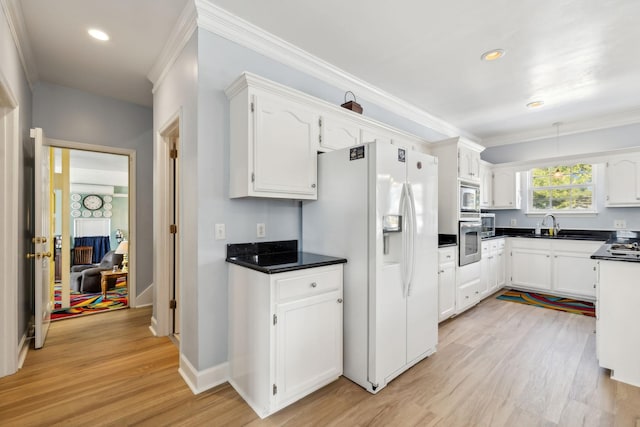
[{"x": 86, "y": 278}]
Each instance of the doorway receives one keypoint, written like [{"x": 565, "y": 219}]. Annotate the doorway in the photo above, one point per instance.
[
  {"x": 167, "y": 257},
  {"x": 91, "y": 232}
]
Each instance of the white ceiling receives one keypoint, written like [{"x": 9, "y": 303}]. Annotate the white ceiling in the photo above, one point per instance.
[
  {"x": 88, "y": 167},
  {"x": 580, "y": 57},
  {"x": 64, "y": 54}
]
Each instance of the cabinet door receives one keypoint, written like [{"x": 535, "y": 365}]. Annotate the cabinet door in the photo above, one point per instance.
[
  {"x": 486, "y": 184},
  {"x": 338, "y": 133},
  {"x": 485, "y": 270},
  {"x": 531, "y": 268},
  {"x": 285, "y": 147},
  {"x": 501, "y": 267},
  {"x": 623, "y": 182},
  {"x": 574, "y": 273},
  {"x": 446, "y": 290},
  {"x": 468, "y": 295},
  {"x": 506, "y": 189},
  {"x": 308, "y": 345},
  {"x": 468, "y": 164}
]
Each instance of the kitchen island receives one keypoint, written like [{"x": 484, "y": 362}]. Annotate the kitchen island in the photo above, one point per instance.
[{"x": 617, "y": 314}]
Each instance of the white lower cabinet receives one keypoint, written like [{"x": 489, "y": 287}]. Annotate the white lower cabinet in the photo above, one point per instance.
[
  {"x": 446, "y": 282},
  {"x": 617, "y": 334},
  {"x": 563, "y": 267},
  {"x": 492, "y": 267},
  {"x": 285, "y": 334},
  {"x": 468, "y": 284}
]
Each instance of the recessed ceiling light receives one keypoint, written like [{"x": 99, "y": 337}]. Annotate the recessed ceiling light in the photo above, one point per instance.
[
  {"x": 98, "y": 34},
  {"x": 492, "y": 55},
  {"x": 535, "y": 104}
]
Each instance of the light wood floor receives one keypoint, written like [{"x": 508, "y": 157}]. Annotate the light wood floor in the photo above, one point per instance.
[{"x": 500, "y": 364}]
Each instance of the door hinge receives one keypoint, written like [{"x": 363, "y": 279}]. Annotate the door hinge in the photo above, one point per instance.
[
  {"x": 172, "y": 304},
  {"x": 275, "y": 319},
  {"x": 173, "y": 153},
  {"x": 253, "y": 177},
  {"x": 275, "y": 389},
  {"x": 173, "y": 229},
  {"x": 320, "y": 122},
  {"x": 252, "y": 108},
  {"x": 607, "y": 164},
  {"x": 320, "y": 138}
]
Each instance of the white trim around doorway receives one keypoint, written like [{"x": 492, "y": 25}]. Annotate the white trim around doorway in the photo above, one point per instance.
[
  {"x": 9, "y": 231},
  {"x": 161, "y": 320}
]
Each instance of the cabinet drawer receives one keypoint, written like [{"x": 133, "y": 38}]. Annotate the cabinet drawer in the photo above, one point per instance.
[
  {"x": 446, "y": 255},
  {"x": 304, "y": 285}
]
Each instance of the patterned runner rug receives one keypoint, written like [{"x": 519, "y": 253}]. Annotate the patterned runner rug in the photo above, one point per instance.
[
  {"x": 549, "y": 301},
  {"x": 83, "y": 304}
]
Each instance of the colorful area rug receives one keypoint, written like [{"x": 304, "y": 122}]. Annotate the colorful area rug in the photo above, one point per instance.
[
  {"x": 549, "y": 301},
  {"x": 83, "y": 304}
]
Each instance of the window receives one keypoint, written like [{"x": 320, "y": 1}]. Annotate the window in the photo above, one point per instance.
[{"x": 563, "y": 188}]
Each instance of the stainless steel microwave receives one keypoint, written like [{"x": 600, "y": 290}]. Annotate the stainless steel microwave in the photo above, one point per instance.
[
  {"x": 488, "y": 221},
  {"x": 469, "y": 202}
]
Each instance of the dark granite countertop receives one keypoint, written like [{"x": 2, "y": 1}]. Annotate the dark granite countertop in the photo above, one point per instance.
[
  {"x": 276, "y": 257},
  {"x": 604, "y": 252},
  {"x": 593, "y": 235}
]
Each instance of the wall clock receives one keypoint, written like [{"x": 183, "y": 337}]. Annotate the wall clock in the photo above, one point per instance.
[{"x": 92, "y": 202}]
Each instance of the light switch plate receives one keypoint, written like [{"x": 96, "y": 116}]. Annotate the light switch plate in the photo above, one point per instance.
[
  {"x": 514, "y": 222},
  {"x": 221, "y": 232},
  {"x": 619, "y": 223},
  {"x": 261, "y": 230}
]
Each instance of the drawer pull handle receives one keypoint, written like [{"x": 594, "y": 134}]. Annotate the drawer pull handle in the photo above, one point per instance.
[
  {"x": 339, "y": 300},
  {"x": 314, "y": 284}
]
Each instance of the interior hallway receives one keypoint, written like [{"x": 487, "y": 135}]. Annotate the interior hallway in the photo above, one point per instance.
[{"x": 500, "y": 364}]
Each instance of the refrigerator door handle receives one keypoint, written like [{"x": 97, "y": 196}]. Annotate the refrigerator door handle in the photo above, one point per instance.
[
  {"x": 404, "y": 208},
  {"x": 412, "y": 238}
]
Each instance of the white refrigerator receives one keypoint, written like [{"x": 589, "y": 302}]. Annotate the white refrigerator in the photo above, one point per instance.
[{"x": 378, "y": 207}]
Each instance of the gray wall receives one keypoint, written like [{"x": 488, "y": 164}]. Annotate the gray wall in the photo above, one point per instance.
[
  {"x": 73, "y": 115},
  {"x": 577, "y": 144}
]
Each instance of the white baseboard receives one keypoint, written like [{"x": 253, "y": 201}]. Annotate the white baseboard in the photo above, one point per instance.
[
  {"x": 199, "y": 381},
  {"x": 24, "y": 349},
  {"x": 145, "y": 298},
  {"x": 153, "y": 327}
]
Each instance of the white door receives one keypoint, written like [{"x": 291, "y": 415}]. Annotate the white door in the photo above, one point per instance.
[{"x": 42, "y": 238}]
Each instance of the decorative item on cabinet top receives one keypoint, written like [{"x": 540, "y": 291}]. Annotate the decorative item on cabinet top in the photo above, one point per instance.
[{"x": 351, "y": 105}]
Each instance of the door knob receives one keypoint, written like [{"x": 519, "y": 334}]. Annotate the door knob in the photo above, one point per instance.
[
  {"x": 29, "y": 256},
  {"x": 46, "y": 255}
]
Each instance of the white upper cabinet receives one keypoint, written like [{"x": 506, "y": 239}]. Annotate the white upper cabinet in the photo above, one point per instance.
[
  {"x": 276, "y": 133},
  {"x": 468, "y": 164},
  {"x": 273, "y": 147},
  {"x": 337, "y": 133},
  {"x": 486, "y": 184},
  {"x": 506, "y": 189},
  {"x": 623, "y": 181}
]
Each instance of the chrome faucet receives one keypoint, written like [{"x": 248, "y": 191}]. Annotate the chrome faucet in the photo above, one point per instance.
[{"x": 554, "y": 224}]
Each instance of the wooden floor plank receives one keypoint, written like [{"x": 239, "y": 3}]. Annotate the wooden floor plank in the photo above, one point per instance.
[{"x": 499, "y": 364}]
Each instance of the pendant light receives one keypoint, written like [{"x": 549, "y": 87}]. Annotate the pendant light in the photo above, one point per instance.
[{"x": 558, "y": 173}]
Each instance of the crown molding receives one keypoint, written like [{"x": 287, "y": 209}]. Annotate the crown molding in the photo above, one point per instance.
[
  {"x": 15, "y": 20},
  {"x": 178, "y": 39},
  {"x": 218, "y": 21},
  {"x": 629, "y": 117}
]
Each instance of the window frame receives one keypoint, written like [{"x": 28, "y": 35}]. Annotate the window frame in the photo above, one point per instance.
[{"x": 560, "y": 212}]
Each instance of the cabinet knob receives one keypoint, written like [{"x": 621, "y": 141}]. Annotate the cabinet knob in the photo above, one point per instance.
[
  {"x": 594, "y": 286},
  {"x": 314, "y": 284},
  {"x": 313, "y": 186},
  {"x": 466, "y": 296},
  {"x": 339, "y": 300}
]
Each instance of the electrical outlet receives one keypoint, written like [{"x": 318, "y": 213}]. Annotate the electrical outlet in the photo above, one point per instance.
[
  {"x": 514, "y": 222},
  {"x": 619, "y": 223},
  {"x": 221, "y": 232},
  {"x": 260, "y": 229}
]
